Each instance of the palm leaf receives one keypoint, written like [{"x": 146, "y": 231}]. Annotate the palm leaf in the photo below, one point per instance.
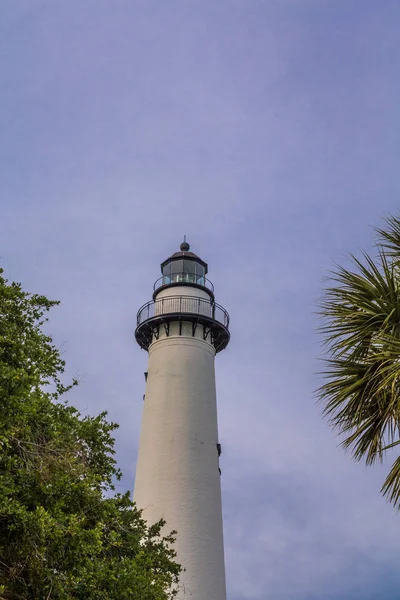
[
  {"x": 391, "y": 486},
  {"x": 360, "y": 325},
  {"x": 389, "y": 237}
]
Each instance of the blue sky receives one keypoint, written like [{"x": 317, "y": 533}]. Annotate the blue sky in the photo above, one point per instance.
[{"x": 267, "y": 131}]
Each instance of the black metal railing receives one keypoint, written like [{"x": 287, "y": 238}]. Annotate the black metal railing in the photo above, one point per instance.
[
  {"x": 190, "y": 278},
  {"x": 189, "y": 305}
]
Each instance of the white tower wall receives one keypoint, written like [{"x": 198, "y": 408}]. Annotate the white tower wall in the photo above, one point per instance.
[{"x": 177, "y": 476}]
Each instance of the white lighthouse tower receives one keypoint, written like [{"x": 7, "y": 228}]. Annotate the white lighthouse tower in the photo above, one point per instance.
[{"x": 177, "y": 473}]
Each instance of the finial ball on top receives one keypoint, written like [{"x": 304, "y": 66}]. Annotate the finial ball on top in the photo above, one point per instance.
[{"x": 185, "y": 246}]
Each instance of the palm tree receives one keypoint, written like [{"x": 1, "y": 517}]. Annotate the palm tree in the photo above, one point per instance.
[{"x": 360, "y": 313}]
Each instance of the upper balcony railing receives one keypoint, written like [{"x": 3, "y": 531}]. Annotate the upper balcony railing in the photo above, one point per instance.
[
  {"x": 183, "y": 306},
  {"x": 185, "y": 278}
]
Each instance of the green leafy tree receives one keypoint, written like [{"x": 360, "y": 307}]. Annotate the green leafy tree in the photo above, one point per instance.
[
  {"x": 361, "y": 329},
  {"x": 62, "y": 534}
]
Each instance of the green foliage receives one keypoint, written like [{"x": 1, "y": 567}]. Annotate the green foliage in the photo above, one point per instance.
[
  {"x": 61, "y": 537},
  {"x": 361, "y": 328}
]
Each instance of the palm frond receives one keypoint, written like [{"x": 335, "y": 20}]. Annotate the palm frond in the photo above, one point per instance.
[
  {"x": 389, "y": 237},
  {"x": 391, "y": 486},
  {"x": 360, "y": 315}
]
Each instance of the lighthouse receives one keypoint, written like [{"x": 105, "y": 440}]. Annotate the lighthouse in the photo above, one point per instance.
[{"x": 177, "y": 474}]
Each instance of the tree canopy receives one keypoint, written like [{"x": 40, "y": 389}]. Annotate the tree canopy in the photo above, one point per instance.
[
  {"x": 361, "y": 329},
  {"x": 64, "y": 533}
]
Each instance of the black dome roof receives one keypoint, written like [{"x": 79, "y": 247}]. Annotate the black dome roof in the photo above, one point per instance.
[{"x": 186, "y": 254}]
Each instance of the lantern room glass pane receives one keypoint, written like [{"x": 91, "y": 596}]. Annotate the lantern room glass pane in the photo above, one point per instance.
[
  {"x": 200, "y": 272},
  {"x": 189, "y": 271},
  {"x": 176, "y": 270},
  {"x": 189, "y": 266},
  {"x": 166, "y": 271}
]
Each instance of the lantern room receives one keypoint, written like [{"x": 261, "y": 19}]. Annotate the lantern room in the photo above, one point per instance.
[{"x": 184, "y": 268}]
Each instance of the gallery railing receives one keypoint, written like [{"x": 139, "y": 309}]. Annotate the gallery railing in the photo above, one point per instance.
[{"x": 183, "y": 305}]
